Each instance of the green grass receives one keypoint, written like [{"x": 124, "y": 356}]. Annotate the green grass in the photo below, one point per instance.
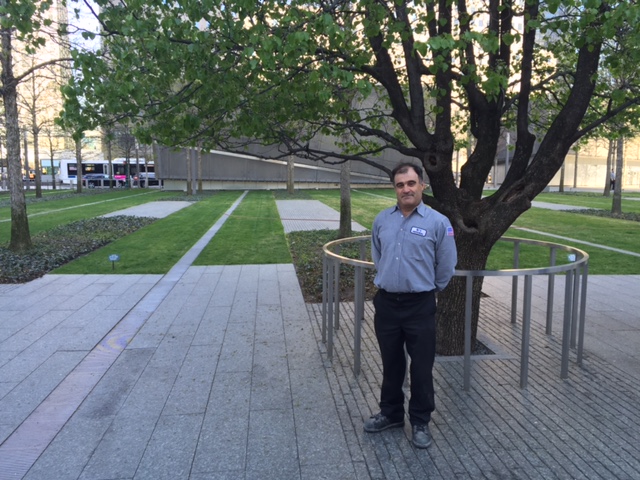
[
  {"x": 365, "y": 204},
  {"x": 615, "y": 233},
  {"x": 47, "y": 214},
  {"x": 253, "y": 234},
  {"x": 592, "y": 200},
  {"x": 156, "y": 248}
]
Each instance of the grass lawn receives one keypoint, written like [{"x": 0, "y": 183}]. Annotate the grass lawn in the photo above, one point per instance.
[
  {"x": 615, "y": 233},
  {"x": 48, "y": 213},
  {"x": 155, "y": 248},
  {"x": 630, "y": 201},
  {"x": 253, "y": 234}
]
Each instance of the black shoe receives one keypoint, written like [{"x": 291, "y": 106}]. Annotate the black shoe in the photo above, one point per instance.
[
  {"x": 379, "y": 422},
  {"x": 421, "y": 436}
]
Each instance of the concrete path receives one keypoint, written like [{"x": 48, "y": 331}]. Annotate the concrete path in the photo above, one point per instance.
[
  {"x": 297, "y": 215},
  {"x": 158, "y": 209},
  {"x": 220, "y": 373}
]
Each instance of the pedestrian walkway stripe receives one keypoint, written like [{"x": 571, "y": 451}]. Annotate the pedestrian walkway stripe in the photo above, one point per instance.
[{"x": 21, "y": 450}]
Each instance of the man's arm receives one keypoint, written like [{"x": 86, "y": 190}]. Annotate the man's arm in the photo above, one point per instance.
[{"x": 446, "y": 256}]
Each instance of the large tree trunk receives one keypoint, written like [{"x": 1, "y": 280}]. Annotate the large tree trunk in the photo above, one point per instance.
[
  {"x": 451, "y": 301},
  {"x": 20, "y": 236}
]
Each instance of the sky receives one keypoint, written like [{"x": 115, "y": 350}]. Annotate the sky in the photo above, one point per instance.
[{"x": 85, "y": 22}]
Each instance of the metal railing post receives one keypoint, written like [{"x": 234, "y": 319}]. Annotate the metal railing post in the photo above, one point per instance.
[
  {"x": 325, "y": 295},
  {"x": 359, "y": 314},
  {"x": 574, "y": 308},
  {"x": 336, "y": 295},
  {"x": 526, "y": 332},
  {"x": 330, "y": 307},
  {"x": 550, "y": 292},
  {"x": 467, "y": 332},
  {"x": 583, "y": 311},
  {"x": 566, "y": 327},
  {"x": 514, "y": 282}
]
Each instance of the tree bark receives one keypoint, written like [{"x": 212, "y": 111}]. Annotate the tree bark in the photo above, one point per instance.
[
  {"x": 607, "y": 178},
  {"x": 78, "y": 141},
  {"x": 199, "y": 153},
  {"x": 616, "y": 205},
  {"x": 345, "y": 200},
  {"x": 20, "y": 235},
  {"x": 290, "y": 175},
  {"x": 189, "y": 152},
  {"x": 450, "y": 316}
]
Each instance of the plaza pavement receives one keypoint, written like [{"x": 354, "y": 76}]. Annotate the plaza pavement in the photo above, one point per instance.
[{"x": 219, "y": 372}]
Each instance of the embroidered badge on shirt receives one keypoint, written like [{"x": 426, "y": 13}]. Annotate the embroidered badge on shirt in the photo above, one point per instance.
[
  {"x": 419, "y": 231},
  {"x": 449, "y": 231}
]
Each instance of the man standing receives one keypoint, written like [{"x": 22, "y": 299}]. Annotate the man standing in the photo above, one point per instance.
[
  {"x": 612, "y": 180},
  {"x": 414, "y": 251}
]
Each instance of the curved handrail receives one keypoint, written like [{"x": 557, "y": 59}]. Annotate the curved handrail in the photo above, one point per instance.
[{"x": 575, "y": 269}]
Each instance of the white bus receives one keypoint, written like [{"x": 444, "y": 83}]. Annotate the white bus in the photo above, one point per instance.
[{"x": 98, "y": 171}]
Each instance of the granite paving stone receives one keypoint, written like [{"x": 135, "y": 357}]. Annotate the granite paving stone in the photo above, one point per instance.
[{"x": 225, "y": 375}]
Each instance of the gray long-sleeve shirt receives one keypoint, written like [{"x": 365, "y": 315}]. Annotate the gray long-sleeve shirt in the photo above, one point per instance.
[{"x": 413, "y": 254}]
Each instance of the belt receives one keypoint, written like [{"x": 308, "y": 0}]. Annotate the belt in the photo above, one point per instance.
[{"x": 399, "y": 296}]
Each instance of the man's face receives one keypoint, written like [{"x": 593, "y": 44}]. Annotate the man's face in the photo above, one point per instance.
[{"x": 408, "y": 189}]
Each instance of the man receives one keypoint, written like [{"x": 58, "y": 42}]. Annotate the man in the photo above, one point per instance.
[
  {"x": 415, "y": 256},
  {"x": 612, "y": 180}
]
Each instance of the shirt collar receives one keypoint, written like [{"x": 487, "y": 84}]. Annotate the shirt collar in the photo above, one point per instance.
[{"x": 421, "y": 209}]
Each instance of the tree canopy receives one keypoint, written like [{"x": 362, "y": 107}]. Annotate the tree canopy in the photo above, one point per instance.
[{"x": 414, "y": 78}]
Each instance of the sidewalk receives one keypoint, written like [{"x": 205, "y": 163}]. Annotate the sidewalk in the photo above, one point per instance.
[{"x": 219, "y": 373}]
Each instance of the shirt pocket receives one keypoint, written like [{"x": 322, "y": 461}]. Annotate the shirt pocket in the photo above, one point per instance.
[{"x": 418, "y": 248}]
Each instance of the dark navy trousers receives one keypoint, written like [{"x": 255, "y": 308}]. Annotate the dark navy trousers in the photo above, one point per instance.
[{"x": 406, "y": 319}]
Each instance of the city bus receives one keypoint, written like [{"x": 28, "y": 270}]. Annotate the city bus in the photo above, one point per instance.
[{"x": 99, "y": 170}]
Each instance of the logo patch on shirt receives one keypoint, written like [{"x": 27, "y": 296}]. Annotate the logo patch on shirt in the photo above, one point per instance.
[
  {"x": 449, "y": 231},
  {"x": 419, "y": 231}
]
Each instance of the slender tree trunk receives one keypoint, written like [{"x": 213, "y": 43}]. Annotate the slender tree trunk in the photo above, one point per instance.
[
  {"x": 575, "y": 169},
  {"x": 36, "y": 162},
  {"x": 49, "y": 135},
  {"x": 137, "y": 164},
  {"x": 35, "y": 131},
  {"x": 607, "y": 179},
  {"x": 561, "y": 186},
  {"x": 199, "y": 169},
  {"x": 345, "y": 200},
  {"x": 26, "y": 160},
  {"x": 78, "y": 142},
  {"x": 616, "y": 205},
  {"x": 53, "y": 174},
  {"x": 20, "y": 236},
  {"x": 188, "y": 161},
  {"x": 290, "y": 175},
  {"x": 110, "y": 160}
]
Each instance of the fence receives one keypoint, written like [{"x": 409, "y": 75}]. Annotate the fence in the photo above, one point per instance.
[{"x": 575, "y": 296}]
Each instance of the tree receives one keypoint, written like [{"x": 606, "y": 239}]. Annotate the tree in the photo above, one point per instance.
[
  {"x": 425, "y": 74},
  {"x": 22, "y": 20},
  {"x": 616, "y": 204}
]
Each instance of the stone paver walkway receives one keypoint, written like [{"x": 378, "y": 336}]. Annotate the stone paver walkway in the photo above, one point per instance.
[{"x": 220, "y": 373}]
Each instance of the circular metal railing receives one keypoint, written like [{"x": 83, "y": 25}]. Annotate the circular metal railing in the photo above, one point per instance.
[{"x": 575, "y": 271}]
